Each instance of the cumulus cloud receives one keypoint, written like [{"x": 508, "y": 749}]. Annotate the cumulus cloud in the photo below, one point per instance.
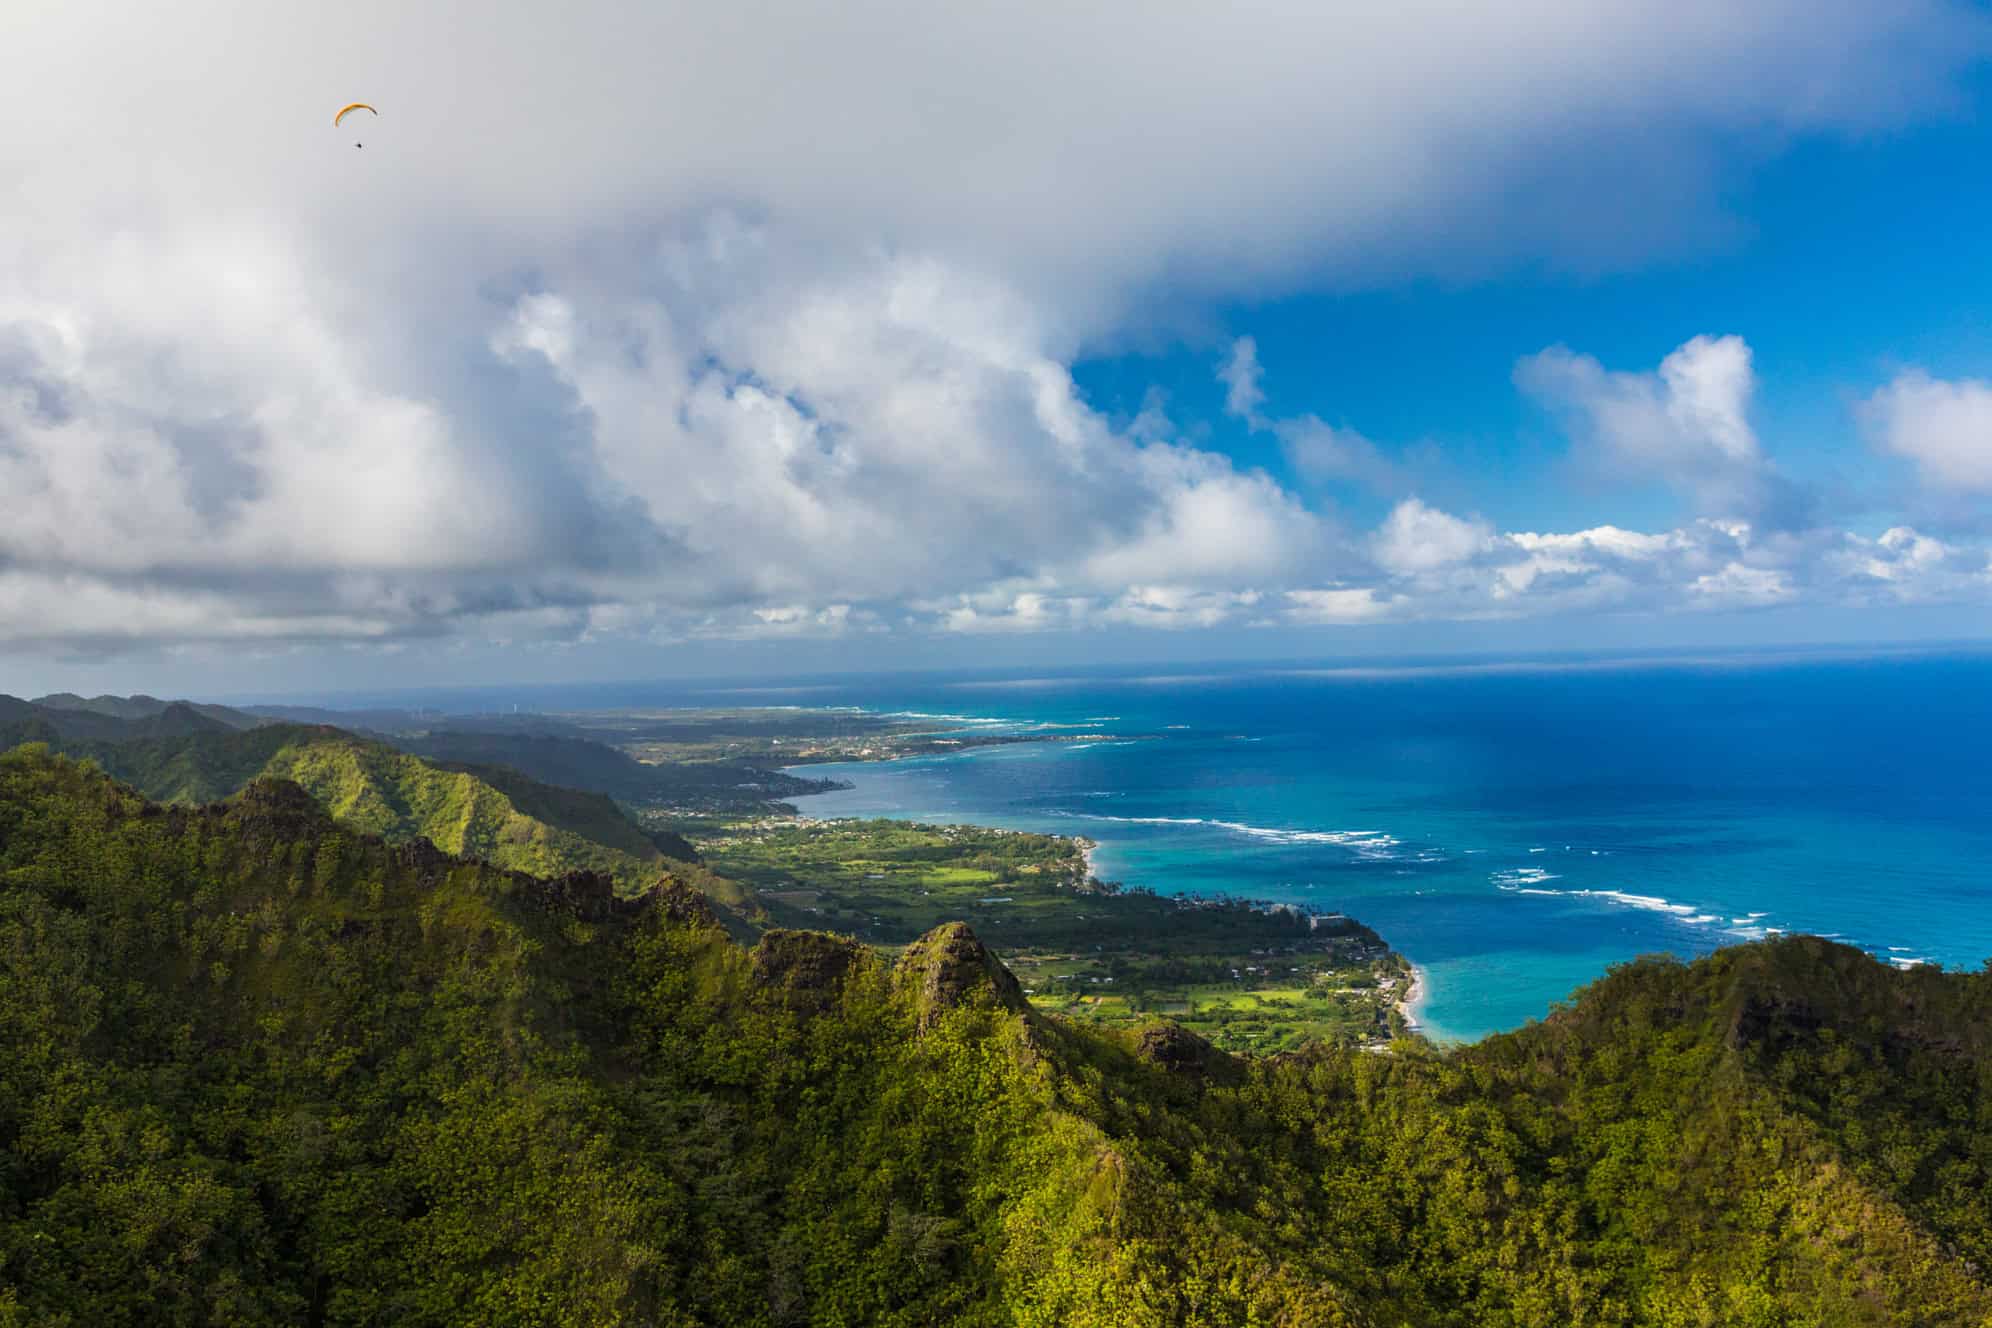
[
  {"x": 734, "y": 437},
  {"x": 185, "y": 430},
  {"x": 1686, "y": 424},
  {"x": 1417, "y": 538},
  {"x": 879, "y": 432},
  {"x": 1425, "y": 564},
  {"x": 1432, "y": 565},
  {"x": 1677, "y": 423},
  {"x": 638, "y": 322},
  {"x": 1944, "y": 427}
]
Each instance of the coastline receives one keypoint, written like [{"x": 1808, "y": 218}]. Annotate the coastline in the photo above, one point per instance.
[
  {"x": 1411, "y": 1004},
  {"x": 1408, "y": 1003}
]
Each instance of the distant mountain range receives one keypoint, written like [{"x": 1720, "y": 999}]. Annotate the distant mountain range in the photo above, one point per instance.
[
  {"x": 142, "y": 707},
  {"x": 176, "y": 752}
]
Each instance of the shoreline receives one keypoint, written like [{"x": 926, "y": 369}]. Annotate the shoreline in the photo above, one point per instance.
[
  {"x": 1089, "y": 849},
  {"x": 1411, "y": 1005}
]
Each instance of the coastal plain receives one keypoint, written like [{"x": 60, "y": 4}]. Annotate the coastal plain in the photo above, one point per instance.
[{"x": 1248, "y": 977}]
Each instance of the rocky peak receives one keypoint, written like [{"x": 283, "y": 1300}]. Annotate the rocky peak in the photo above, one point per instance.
[
  {"x": 680, "y": 903},
  {"x": 274, "y": 809},
  {"x": 1179, "y": 1051},
  {"x": 950, "y": 967}
]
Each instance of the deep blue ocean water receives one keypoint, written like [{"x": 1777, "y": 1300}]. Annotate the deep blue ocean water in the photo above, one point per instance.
[{"x": 1512, "y": 829}]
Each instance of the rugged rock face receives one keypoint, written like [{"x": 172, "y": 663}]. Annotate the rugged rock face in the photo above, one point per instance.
[
  {"x": 421, "y": 855},
  {"x": 267, "y": 799},
  {"x": 586, "y": 896},
  {"x": 680, "y": 903},
  {"x": 269, "y": 811},
  {"x": 804, "y": 970},
  {"x": 1179, "y": 1051},
  {"x": 950, "y": 967}
]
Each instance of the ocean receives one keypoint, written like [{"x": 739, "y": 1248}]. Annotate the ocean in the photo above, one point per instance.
[{"x": 1513, "y": 828}]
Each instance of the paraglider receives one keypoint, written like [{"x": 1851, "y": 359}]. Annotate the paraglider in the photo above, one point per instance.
[{"x": 348, "y": 109}]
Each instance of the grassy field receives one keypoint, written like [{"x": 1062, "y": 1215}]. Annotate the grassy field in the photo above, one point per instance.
[{"x": 1248, "y": 978}]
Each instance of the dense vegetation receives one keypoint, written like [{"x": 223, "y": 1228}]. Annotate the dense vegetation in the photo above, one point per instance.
[
  {"x": 493, "y": 813},
  {"x": 583, "y": 763},
  {"x": 257, "y": 1068}
]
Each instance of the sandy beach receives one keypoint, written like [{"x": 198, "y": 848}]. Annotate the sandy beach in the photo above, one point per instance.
[{"x": 1412, "y": 1003}]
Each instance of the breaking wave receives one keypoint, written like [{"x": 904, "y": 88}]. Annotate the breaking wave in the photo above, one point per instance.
[{"x": 1367, "y": 843}]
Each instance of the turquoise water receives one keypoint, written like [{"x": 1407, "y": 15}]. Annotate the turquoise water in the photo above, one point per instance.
[{"x": 1513, "y": 830}]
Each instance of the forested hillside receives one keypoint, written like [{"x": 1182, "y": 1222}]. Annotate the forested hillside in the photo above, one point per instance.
[
  {"x": 259, "y": 1068},
  {"x": 493, "y": 813},
  {"x": 584, "y": 763}
]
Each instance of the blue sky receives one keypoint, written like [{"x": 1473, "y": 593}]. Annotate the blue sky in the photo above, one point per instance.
[
  {"x": 985, "y": 335},
  {"x": 1847, "y": 259}
]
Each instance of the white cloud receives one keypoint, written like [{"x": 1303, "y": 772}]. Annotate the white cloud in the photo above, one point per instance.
[
  {"x": 1210, "y": 524},
  {"x": 1686, "y": 424},
  {"x": 1945, "y": 427},
  {"x": 1676, "y": 423},
  {"x": 1416, "y": 538},
  {"x": 1320, "y": 452},
  {"x": 1323, "y": 452},
  {"x": 1709, "y": 383},
  {"x": 891, "y": 432},
  {"x": 1905, "y": 566},
  {"x": 1240, "y": 375},
  {"x": 1175, "y": 607},
  {"x": 1236, "y": 145},
  {"x": 1007, "y": 610},
  {"x": 1742, "y": 584},
  {"x": 1429, "y": 565},
  {"x": 639, "y": 321},
  {"x": 1335, "y": 606}
]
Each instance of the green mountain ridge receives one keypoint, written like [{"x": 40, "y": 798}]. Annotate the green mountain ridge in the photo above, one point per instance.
[
  {"x": 259, "y": 1068},
  {"x": 585, "y": 763},
  {"x": 377, "y": 790},
  {"x": 499, "y": 815},
  {"x": 168, "y": 720}
]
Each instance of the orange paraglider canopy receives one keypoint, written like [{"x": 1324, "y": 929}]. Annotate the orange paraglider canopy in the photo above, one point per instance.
[{"x": 344, "y": 111}]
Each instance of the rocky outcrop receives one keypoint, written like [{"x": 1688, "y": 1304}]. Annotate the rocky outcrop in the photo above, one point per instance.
[
  {"x": 273, "y": 810},
  {"x": 803, "y": 970},
  {"x": 274, "y": 797},
  {"x": 585, "y": 896},
  {"x": 421, "y": 855},
  {"x": 1179, "y": 1051},
  {"x": 681, "y": 904},
  {"x": 950, "y": 967}
]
